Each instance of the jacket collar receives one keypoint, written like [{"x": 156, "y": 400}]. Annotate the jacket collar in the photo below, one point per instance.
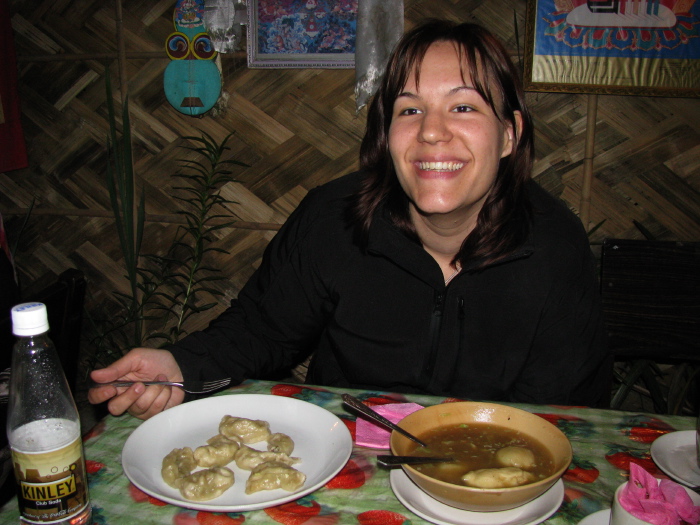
[{"x": 386, "y": 240}]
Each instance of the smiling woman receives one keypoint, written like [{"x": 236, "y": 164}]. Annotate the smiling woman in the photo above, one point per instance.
[
  {"x": 460, "y": 140},
  {"x": 439, "y": 268},
  {"x": 447, "y": 144}
]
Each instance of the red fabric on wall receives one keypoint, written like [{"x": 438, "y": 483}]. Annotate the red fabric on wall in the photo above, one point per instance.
[{"x": 13, "y": 151}]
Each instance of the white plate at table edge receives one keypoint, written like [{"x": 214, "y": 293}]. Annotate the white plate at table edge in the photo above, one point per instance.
[
  {"x": 321, "y": 439},
  {"x": 430, "y": 509},
  {"x": 601, "y": 517},
  {"x": 670, "y": 455}
]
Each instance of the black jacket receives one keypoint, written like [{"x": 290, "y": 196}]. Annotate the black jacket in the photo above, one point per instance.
[{"x": 525, "y": 330}]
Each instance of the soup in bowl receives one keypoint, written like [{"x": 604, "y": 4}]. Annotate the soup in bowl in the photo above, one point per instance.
[{"x": 504, "y": 456}]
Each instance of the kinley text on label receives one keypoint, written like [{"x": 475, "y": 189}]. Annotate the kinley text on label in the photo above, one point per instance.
[{"x": 49, "y": 491}]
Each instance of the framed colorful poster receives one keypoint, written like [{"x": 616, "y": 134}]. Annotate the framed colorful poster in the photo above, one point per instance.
[
  {"x": 302, "y": 33},
  {"x": 631, "y": 47}
]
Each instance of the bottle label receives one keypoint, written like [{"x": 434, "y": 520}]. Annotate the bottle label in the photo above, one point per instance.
[{"x": 51, "y": 486}]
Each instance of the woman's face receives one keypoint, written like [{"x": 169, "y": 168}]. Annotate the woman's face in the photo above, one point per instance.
[{"x": 445, "y": 140}]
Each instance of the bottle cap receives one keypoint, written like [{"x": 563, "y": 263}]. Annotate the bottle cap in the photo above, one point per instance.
[{"x": 29, "y": 319}]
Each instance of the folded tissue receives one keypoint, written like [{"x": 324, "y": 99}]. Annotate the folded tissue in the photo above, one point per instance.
[
  {"x": 660, "y": 502},
  {"x": 373, "y": 435}
]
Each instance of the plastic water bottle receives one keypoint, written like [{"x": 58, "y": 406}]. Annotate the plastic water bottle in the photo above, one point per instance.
[{"x": 43, "y": 428}]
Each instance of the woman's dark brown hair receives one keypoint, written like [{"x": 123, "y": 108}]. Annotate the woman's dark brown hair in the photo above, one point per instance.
[{"x": 503, "y": 222}]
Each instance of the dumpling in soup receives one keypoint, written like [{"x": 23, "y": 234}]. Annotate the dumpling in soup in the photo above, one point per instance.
[
  {"x": 219, "y": 452},
  {"x": 244, "y": 430},
  {"x": 204, "y": 485},
  {"x": 520, "y": 457},
  {"x": 248, "y": 458},
  {"x": 274, "y": 475},
  {"x": 176, "y": 465},
  {"x": 279, "y": 442},
  {"x": 451, "y": 470},
  {"x": 497, "y": 478}
]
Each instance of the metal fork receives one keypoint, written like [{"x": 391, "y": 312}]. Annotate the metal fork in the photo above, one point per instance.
[{"x": 191, "y": 387}]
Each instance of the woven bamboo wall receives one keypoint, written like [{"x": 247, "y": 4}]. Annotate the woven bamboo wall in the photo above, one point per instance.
[{"x": 295, "y": 128}]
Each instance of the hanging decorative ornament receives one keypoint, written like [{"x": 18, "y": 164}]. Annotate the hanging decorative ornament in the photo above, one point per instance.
[
  {"x": 379, "y": 28},
  {"x": 224, "y": 20},
  {"x": 192, "y": 81}
]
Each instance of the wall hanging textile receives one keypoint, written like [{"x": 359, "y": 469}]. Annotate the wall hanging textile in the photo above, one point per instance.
[{"x": 302, "y": 33}]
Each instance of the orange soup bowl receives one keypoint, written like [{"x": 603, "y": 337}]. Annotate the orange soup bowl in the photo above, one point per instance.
[{"x": 480, "y": 499}]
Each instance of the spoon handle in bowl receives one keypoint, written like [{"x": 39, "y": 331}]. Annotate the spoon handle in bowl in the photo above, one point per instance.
[
  {"x": 364, "y": 409},
  {"x": 392, "y": 461}
]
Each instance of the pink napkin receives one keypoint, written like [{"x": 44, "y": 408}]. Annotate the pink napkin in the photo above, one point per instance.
[
  {"x": 373, "y": 435},
  {"x": 660, "y": 503}
]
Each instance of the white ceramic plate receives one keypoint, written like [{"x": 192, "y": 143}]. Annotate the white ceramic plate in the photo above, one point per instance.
[
  {"x": 602, "y": 517},
  {"x": 418, "y": 502},
  {"x": 321, "y": 440},
  {"x": 675, "y": 454}
]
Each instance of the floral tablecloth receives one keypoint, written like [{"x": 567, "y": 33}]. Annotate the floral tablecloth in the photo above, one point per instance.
[{"x": 604, "y": 442}]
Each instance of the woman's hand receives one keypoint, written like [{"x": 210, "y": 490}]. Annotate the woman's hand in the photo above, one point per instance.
[{"x": 140, "y": 364}]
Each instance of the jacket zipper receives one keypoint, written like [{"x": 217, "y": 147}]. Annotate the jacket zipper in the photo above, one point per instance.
[
  {"x": 461, "y": 315},
  {"x": 435, "y": 324}
]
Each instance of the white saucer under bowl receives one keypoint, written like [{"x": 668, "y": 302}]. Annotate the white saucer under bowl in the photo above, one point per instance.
[
  {"x": 418, "y": 502},
  {"x": 602, "y": 517},
  {"x": 675, "y": 454}
]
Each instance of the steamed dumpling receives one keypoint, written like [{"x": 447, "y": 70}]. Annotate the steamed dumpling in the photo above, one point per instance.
[
  {"x": 279, "y": 442},
  {"x": 520, "y": 457},
  {"x": 220, "y": 439},
  {"x": 497, "y": 478},
  {"x": 248, "y": 458},
  {"x": 244, "y": 430},
  {"x": 219, "y": 452},
  {"x": 207, "y": 484},
  {"x": 274, "y": 475},
  {"x": 176, "y": 465}
]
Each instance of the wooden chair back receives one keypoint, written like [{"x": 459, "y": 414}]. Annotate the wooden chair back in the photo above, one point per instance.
[
  {"x": 64, "y": 300},
  {"x": 651, "y": 302},
  {"x": 651, "y": 298},
  {"x": 64, "y": 306}
]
